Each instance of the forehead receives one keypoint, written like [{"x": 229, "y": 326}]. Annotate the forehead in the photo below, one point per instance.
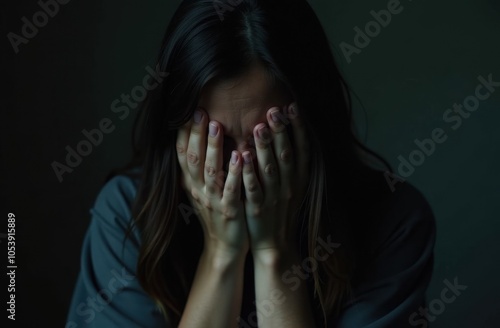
[{"x": 241, "y": 103}]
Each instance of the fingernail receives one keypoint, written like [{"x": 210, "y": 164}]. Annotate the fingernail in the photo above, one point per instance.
[
  {"x": 264, "y": 133},
  {"x": 275, "y": 116},
  {"x": 247, "y": 157},
  {"x": 234, "y": 157},
  {"x": 197, "y": 116},
  {"x": 212, "y": 129}
]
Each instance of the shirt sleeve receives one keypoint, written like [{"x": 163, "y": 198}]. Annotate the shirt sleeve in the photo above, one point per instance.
[
  {"x": 393, "y": 283},
  {"x": 107, "y": 292}
]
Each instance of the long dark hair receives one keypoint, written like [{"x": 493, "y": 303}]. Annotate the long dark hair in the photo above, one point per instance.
[{"x": 205, "y": 42}]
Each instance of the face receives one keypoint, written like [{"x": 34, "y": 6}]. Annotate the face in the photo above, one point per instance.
[{"x": 239, "y": 105}]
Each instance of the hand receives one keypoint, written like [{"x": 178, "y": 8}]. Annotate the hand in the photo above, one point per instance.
[
  {"x": 217, "y": 203},
  {"x": 271, "y": 204}
]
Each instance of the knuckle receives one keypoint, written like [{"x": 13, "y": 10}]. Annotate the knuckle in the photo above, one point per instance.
[
  {"x": 263, "y": 144},
  {"x": 193, "y": 158},
  {"x": 181, "y": 149},
  {"x": 252, "y": 186},
  {"x": 194, "y": 194},
  {"x": 207, "y": 203},
  {"x": 270, "y": 169},
  {"x": 227, "y": 210},
  {"x": 230, "y": 188},
  {"x": 257, "y": 211},
  {"x": 286, "y": 155},
  {"x": 228, "y": 213},
  {"x": 210, "y": 170}
]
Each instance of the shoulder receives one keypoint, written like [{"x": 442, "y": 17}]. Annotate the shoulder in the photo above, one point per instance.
[
  {"x": 408, "y": 215},
  {"x": 118, "y": 191},
  {"x": 109, "y": 265},
  {"x": 111, "y": 211},
  {"x": 397, "y": 231},
  {"x": 407, "y": 198},
  {"x": 391, "y": 212},
  {"x": 116, "y": 197}
]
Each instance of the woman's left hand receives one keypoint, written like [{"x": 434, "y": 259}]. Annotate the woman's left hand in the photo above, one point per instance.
[{"x": 283, "y": 168}]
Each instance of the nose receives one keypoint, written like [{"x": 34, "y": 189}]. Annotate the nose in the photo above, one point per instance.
[
  {"x": 246, "y": 144},
  {"x": 240, "y": 145}
]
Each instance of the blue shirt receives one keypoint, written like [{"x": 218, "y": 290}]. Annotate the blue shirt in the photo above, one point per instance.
[{"x": 392, "y": 288}]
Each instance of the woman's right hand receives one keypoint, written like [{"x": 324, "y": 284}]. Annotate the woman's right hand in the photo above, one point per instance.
[{"x": 216, "y": 202}]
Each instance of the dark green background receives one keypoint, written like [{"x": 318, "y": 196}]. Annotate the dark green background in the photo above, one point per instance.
[{"x": 428, "y": 58}]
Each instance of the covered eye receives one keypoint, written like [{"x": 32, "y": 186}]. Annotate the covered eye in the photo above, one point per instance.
[{"x": 229, "y": 141}]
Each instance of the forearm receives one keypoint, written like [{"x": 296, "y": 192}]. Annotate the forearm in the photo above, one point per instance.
[
  {"x": 215, "y": 297},
  {"x": 283, "y": 306}
]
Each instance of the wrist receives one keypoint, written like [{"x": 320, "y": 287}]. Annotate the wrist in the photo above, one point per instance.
[
  {"x": 275, "y": 258},
  {"x": 223, "y": 258}
]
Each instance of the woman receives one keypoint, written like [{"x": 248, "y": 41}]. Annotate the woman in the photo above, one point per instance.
[{"x": 217, "y": 223}]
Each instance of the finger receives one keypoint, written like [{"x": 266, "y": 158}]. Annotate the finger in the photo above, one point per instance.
[
  {"x": 182, "y": 145},
  {"x": 213, "y": 161},
  {"x": 265, "y": 159},
  {"x": 232, "y": 188},
  {"x": 300, "y": 139},
  {"x": 253, "y": 190},
  {"x": 281, "y": 145},
  {"x": 197, "y": 146}
]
